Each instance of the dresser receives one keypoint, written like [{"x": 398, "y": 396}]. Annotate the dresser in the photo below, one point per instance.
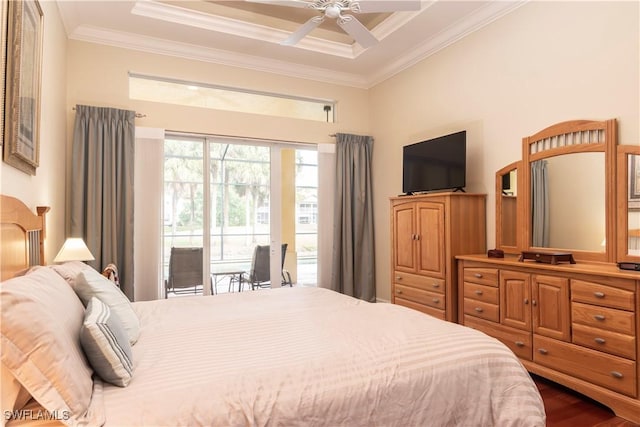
[
  {"x": 427, "y": 232},
  {"x": 576, "y": 324}
]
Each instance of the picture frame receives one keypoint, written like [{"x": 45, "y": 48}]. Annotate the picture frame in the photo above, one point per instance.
[
  {"x": 23, "y": 85},
  {"x": 4, "y": 7},
  {"x": 634, "y": 182}
]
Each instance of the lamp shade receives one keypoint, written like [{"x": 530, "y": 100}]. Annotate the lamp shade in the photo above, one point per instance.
[{"x": 74, "y": 249}]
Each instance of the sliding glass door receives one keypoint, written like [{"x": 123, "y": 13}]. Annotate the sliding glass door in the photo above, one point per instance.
[{"x": 253, "y": 193}]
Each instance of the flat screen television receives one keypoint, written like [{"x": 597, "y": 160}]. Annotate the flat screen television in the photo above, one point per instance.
[{"x": 435, "y": 164}]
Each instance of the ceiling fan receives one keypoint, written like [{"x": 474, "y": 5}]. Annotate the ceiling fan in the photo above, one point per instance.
[{"x": 333, "y": 9}]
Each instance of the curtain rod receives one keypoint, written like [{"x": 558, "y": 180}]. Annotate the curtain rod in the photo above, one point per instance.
[{"x": 138, "y": 115}]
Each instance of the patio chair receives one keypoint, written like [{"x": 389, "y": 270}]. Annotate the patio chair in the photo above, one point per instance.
[
  {"x": 259, "y": 274},
  {"x": 185, "y": 271}
]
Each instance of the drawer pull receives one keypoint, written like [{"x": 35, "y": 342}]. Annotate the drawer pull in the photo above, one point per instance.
[
  {"x": 399, "y": 292},
  {"x": 436, "y": 285},
  {"x": 479, "y": 292},
  {"x": 543, "y": 351},
  {"x": 598, "y": 294},
  {"x": 519, "y": 344},
  {"x": 398, "y": 277},
  {"x": 599, "y": 317},
  {"x": 600, "y": 340},
  {"x": 616, "y": 374},
  {"x": 436, "y": 300},
  {"x": 479, "y": 309},
  {"x": 478, "y": 275}
]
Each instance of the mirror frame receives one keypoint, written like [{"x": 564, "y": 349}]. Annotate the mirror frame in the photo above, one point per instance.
[
  {"x": 623, "y": 202},
  {"x": 566, "y": 138},
  {"x": 517, "y": 249}
]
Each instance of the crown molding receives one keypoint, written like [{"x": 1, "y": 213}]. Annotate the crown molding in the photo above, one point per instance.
[
  {"x": 452, "y": 34},
  {"x": 217, "y": 56}
]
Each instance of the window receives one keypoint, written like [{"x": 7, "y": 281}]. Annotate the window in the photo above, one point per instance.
[{"x": 172, "y": 91}]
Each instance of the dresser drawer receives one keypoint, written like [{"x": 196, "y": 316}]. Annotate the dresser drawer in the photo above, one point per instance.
[
  {"x": 439, "y": 314},
  {"x": 426, "y": 283},
  {"x": 431, "y": 299},
  {"x": 612, "y": 372},
  {"x": 483, "y": 276},
  {"x": 606, "y": 296},
  {"x": 481, "y": 293},
  {"x": 481, "y": 309},
  {"x": 520, "y": 342},
  {"x": 609, "y": 319},
  {"x": 600, "y": 339}
]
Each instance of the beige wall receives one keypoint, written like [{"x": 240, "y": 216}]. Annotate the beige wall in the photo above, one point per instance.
[
  {"x": 98, "y": 75},
  {"x": 544, "y": 63},
  {"x": 46, "y": 188}
]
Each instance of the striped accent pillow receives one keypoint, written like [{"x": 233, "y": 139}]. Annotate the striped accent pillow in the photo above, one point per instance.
[{"x": 106, "y": 344}]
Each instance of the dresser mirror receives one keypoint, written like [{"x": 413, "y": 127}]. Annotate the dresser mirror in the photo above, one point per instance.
[
  {"x": 628, "y": 203},
  {"x": 565, "y": 197},
  {"x": 507, "y": 206}
]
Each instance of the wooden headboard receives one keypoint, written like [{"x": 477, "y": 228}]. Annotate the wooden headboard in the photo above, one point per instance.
[{"x": 22, "y": 236}]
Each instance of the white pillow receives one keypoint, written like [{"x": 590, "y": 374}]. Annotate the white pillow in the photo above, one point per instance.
[
  {"x": 40, "y": 320},
  {"x": 70, "y": 269},
  {"x": 90, "y": 283},
  {"x": 106, "y": 344}
]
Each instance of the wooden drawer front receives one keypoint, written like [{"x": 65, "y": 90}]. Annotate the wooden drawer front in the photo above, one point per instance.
[
  {"x": 599, "y": 339},
  {"x": 481, "y": 293},
  {"x": 483, "y": 276},
  {"x": 520, "y": 342},
  {"x": 594, "y": 293},
  {"x": 427, "y": 283},
  {"x": 612, "y": 372},
  {"x": 431, "y": 299},
  {"x": 603, "y": 318},
  {"x": 481, "y": 309},
  {"x": 439, "y": 314}
]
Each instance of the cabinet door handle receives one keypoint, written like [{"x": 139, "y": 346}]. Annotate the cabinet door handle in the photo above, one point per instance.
[
  {"x": 542, "y": 351},
  {"x": 479, "y": 292},
  {"x": 598, "y": 294},
  {"x": 534, "y": 303},
  {"x": 526, "y": 301},
  {"x": 479, "y": 309},
  {"x": 600, "y": 340},
  {"x": 478, "y": 275},
  {"x": 616, "y": 374},
  {"x": 599, "y": 317},
  {"x": 417, "y": 237},
  {"x": 519, "y": 344}
]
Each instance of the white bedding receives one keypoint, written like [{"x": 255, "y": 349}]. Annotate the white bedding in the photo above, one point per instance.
[{"x": 307, "y": 357}]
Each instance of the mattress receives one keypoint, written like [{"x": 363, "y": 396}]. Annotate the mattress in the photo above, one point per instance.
[{"x": 313, "y": 357}]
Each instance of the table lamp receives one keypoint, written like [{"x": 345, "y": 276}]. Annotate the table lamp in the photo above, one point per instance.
[{"x": 74, "y": 249}]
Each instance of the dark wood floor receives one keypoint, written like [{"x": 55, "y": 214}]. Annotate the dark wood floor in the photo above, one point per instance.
[{"x": 566, "y": 408}]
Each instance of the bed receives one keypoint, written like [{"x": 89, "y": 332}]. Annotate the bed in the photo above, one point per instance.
[{"x": 275, "y": 357}]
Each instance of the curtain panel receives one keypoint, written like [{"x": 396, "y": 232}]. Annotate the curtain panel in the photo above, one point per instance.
[
  {"x": 101, "y": 193},
  {"x": 353, "y": 266},
  {"x": 539, "y": 204}
]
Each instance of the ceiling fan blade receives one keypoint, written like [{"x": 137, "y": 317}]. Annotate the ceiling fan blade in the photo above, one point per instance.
[
  {"x": 305, "y": 29},
  {"x": 355, "y": 29},
  {"x": 290, "y": 3},
  {"x": 376, "y": 6}
]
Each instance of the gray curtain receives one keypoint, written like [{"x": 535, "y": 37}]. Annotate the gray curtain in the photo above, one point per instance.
[
  {"x": 353, "y": 266},
  {"x": 102, "y": 187},
  {"x": 539, "y": 204}
]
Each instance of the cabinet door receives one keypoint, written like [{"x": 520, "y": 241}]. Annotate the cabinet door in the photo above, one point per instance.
[
  {"x": 404, "y": 236},
  {"x": 515, "y": 298},
  {"x": 430, "y": 231},
  {"x": 551, "y": 306}
]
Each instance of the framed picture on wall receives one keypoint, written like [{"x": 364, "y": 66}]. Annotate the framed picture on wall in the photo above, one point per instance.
[
  {"x": 4, "y": 6},
  {"x": 22, "y": 85},
  {"x": 634, "y": 182}
]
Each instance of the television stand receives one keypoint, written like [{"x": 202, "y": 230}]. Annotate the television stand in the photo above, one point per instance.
[{"x": 459, "y": 189}]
